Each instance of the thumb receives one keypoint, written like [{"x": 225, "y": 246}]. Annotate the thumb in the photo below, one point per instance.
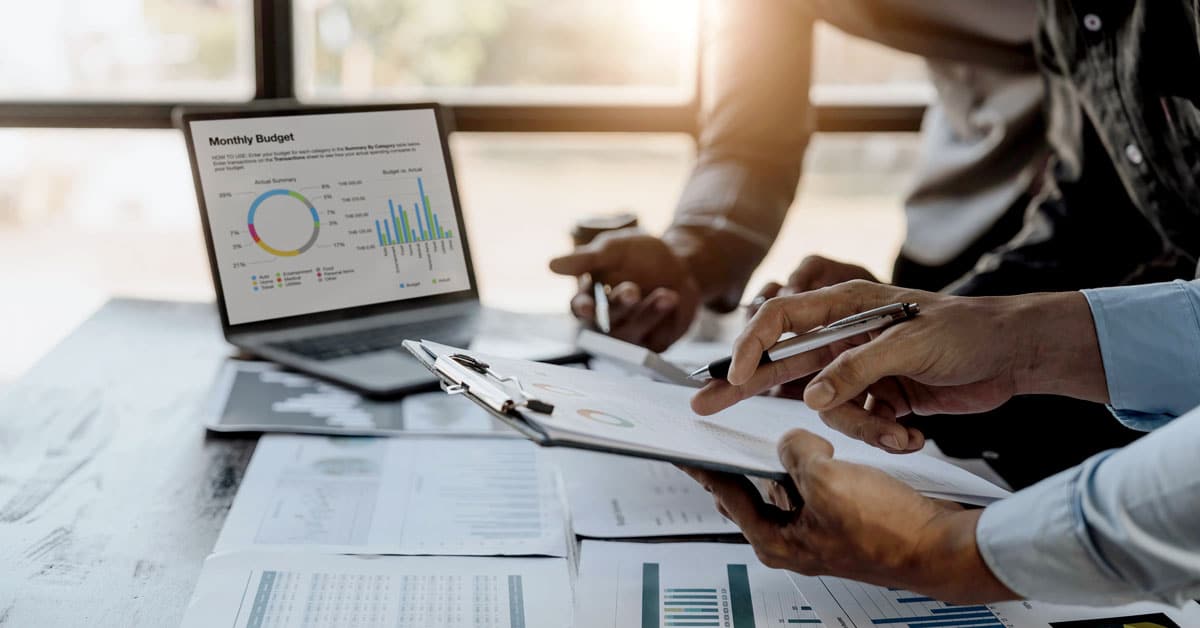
[{"x": 804, "y": 454}]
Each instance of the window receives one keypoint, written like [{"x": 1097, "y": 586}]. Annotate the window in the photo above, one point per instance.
[
  {"x": 470, "y": 51},
  {"x": 850, "y": 70},
  {"x": 127, "y": 50},
  {"x": 86, "y": 214}
]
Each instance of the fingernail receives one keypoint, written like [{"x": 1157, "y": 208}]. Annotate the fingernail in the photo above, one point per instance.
[
  {"x": 664, "y": 304},
  {"x": 628, "y": 299},
  {"x": 890, "y": 441},
  {"x": 819, "y": 393}
]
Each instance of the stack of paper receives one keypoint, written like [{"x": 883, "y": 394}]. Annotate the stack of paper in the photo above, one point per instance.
[
  {"x": 419, "y": 532},
  {"x": 468, "y": 504}
]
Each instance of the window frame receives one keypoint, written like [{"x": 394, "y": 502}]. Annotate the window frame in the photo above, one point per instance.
[{"x": 275, "y": 81}]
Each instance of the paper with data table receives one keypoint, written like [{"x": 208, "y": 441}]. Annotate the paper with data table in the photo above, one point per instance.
[
  {"x": 398, "y": 496},
  {"x": 308, "y": 590},
  {"x": 653, "y": 585},
  {"x": 641, "y": 418},
  {"x": 615, "y": 497}
]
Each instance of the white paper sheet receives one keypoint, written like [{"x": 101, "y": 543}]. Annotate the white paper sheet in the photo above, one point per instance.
[
  {"x": 627, "y": 585},
  {"x": 398, "y": 496},
  {"x": 852, "y": 604},
  {"x": 294, "y": 590},
  {"x": 618, "y": 497},
  {"x": 623, "y": 412}
]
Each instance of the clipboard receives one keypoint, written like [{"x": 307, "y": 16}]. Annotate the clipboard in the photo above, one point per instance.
[
  {"x": 741, "y": 441},
  {"x": 507, "y": 400}
]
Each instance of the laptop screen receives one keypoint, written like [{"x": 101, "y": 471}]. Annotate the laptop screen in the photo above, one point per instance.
[{"x": 319, "y": 212}]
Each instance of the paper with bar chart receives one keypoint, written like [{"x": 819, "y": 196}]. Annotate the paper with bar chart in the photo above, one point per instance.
[
  {"x": 309, "y": 213},
  {"x": 700, "y": 585},
  {"x": 398, "y": 496},
  {"x": 853, "y": 604},
  {"x": 305, "y": 590}
]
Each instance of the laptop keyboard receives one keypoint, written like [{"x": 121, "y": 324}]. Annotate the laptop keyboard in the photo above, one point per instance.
[{"x": 361, "y": 341}]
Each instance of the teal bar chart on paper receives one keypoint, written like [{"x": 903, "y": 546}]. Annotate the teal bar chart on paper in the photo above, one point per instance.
[
  {"x": 684, "y": 585},
  {"x": 861, "y": 605}
]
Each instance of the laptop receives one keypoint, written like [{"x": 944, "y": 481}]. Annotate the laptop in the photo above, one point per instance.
[{"x": 333, "y": 235}]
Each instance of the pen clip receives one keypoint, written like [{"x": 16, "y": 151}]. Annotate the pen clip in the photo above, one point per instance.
[{"x": 895, "y": 310}]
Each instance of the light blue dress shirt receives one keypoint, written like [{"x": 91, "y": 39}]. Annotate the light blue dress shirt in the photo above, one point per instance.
[{"x": 1124, "y": 525}]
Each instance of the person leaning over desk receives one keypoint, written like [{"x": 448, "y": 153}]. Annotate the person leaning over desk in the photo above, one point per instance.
[
  {"x": 1123, "y": 526},
  {"x": 983, "y": 154}
]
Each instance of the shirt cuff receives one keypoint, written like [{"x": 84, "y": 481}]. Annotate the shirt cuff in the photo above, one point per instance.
[
  {"x": 1036, "y": 542},
  {"x": 1150, "y": 344}
]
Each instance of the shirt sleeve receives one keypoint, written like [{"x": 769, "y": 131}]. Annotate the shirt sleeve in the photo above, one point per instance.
[
  {"x": 1122, "y": 527},
  {"x": 755, "y": 125},
  {"x": 1150, "y": 344}
]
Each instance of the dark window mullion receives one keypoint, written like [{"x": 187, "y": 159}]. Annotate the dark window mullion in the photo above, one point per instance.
[{"x": 274, "y": 50}]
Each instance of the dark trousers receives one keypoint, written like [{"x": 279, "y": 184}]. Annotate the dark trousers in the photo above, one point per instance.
[{"x": 1029, "y": 438}]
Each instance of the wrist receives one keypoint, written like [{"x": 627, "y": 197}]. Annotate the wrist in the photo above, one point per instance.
[
  {"x": 701, "y": 270},
  {"x": 955, "y": 570},
  {"x": 1059, "y": 353}
]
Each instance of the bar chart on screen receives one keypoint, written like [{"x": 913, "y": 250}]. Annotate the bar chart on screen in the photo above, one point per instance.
[{"x": 399, "y": 229}]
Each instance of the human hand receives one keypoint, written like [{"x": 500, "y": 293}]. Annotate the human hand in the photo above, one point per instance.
[
  {"x": 813, "y": 272},
  {"x": 858, "y": 522},
  {"x": 654, "y": 296},
  {"x": 960, "y": 355}
]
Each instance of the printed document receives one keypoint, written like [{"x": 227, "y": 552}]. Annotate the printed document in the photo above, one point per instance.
[
  {"x": 398, "y": 496},
  {"x": 306, "y": 590}
]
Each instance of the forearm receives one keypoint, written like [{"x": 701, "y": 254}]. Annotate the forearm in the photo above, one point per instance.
[
  {"x": 719, "y": 258},
  {"x": 754, "y": 130},
  {"x": 1123, "y": 526}
]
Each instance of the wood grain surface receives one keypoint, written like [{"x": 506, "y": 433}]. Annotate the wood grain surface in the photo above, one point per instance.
[
  {"x": 111, "y": 494},
  {"x": 111, "y": 491}
]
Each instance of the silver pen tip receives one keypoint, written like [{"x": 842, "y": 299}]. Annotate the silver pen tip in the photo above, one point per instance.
[{"x": 700, "y": 374}]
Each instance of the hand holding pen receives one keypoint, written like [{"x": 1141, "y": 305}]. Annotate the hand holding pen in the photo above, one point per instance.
[
  {"x": 842, "y": 329},
  {"x": 961, "y": 355},
  {"x": 653, "y": 297}
]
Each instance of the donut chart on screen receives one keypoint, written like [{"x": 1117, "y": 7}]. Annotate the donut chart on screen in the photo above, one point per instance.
[{"x": 304, "y": 203}]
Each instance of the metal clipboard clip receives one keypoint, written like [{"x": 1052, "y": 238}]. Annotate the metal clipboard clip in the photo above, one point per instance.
[{"x": 464, "y": 374}]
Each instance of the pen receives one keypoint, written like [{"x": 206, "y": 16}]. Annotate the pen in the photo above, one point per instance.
[
  {"x": 600, "y": 295},
  {"x": 848, "y": 327}
]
